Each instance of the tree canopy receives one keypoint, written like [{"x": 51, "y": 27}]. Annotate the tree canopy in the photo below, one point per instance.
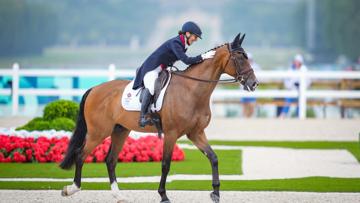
[{"x": 26, "y": 28}]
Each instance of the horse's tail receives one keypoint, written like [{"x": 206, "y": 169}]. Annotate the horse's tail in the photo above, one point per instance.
[{"x": 77, "y": 140}]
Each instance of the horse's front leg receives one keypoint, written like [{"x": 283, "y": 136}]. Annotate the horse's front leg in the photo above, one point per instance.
[
  {"x": 201, "y": 142},
  {"x": 169, "y": 142}
]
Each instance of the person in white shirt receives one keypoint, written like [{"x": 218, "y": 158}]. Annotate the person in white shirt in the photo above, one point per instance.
[{"x": 292, "y": 84}]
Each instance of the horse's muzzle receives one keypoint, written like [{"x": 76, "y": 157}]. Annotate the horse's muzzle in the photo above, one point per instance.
[
  {"x": 251, "y": 85},
  {"x": 254, "y": 85}
]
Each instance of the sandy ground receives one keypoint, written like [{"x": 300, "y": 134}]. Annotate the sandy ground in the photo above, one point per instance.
[
  {"x": 284, "y": 129},
  {"x": 144, "y": 196}
]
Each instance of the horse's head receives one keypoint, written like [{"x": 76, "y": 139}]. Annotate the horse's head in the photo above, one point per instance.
[{"x": 238, "y": 65}]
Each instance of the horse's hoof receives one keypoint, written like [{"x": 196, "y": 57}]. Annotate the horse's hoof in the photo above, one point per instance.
[
  {"x": 214, "y": 197},
  {"x": 118, "y": 196},
  {"x": 63, "y": 192},
  {"x": 69, "y": 190},
  {"x": 165, "y": 201}
]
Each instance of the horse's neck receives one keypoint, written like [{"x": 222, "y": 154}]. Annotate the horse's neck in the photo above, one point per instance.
[{"x": 208, "y": 70}]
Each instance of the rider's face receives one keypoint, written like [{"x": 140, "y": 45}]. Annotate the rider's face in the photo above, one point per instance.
[{"x": 191, "y": 38}]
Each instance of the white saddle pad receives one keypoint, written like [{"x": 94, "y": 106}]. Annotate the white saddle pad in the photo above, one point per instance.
[{"x": 130, "y": 99}]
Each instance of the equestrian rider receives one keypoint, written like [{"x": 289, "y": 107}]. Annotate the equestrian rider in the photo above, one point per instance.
[{"x": 166, "y": 55}]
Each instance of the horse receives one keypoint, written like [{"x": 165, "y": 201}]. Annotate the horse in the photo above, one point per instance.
[{"x": 185, "y": 111}]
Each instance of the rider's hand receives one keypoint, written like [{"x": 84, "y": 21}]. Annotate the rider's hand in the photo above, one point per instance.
[{"x": 208, "y": 55}]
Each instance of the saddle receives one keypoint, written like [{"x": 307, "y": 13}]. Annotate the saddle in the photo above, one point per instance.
[{"x": 160, "y": 84}]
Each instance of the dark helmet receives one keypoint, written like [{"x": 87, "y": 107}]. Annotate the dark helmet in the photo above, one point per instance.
[{"x": 192, "y": 28}]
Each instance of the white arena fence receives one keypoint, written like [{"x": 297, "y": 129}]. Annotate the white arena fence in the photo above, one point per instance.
[{"x": 219, "y": 94}]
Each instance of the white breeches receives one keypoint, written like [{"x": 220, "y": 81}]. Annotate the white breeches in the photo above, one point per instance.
[{"x": 150, "y": 78}]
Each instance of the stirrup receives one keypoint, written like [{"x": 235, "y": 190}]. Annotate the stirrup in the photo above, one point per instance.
[{"x": 144, "y": 122}]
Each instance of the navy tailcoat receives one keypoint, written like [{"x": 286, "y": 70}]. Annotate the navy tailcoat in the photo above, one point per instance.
[{"x": 166, "y": 55}]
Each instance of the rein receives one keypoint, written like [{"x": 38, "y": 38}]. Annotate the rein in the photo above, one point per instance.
[
  {"x": 239, "y": 75},
  {"x": 225, "y": 81}
]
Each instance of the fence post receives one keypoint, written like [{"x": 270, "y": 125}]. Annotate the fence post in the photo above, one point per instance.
[
  {"x": 112, "y": 72},
  {"x": 15, "y": 89},
  {"x": 302, "y": 94}
]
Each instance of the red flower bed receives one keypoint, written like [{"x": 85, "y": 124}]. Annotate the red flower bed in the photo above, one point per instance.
[{"x": 42, "y": 149}]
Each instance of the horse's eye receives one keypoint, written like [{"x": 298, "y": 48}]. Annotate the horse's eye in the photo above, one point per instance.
[{"x": 246, "y": 56}]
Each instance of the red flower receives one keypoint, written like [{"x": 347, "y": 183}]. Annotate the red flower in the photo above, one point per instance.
[
  {"x": 8, "y": 159},
  {"x": 2, "y": 157},
  {"x": 29, "y": 154},
  {"x": 89, "y": 159},
  {"x": 19, "y": 157},
  {"x": 42, "y": 149}
]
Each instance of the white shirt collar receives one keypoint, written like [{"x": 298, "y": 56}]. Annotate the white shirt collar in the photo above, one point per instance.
[{"x": 186, "y": 45}]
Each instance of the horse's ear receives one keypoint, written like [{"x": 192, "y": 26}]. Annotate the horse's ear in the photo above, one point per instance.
[
  {"x": 242, "y": 39},
  {"x": 236, "y": 41}
]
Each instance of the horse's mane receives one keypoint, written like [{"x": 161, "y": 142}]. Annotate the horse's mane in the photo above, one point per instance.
[
  {"x": 217, "y": 47},
  {"x": 213, "y": 49}
]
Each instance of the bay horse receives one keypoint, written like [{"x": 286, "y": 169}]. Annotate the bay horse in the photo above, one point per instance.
[{"x": 185, "y": 111}]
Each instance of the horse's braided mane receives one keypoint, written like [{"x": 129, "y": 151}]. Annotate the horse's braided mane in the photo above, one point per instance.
[
  {"x": 213, "y": 49},
  {"x": 217, "y": 47}
]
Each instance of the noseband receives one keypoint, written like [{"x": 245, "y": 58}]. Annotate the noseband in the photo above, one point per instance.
[{"x": 240, "y": 74}]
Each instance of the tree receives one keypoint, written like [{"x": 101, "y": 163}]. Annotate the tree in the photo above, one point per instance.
[
  {"x": 105, "y": 22},
  {"x": 26, "y": 28},
  {"x": 338, "y": 28},
  {"x": 267, "y": 22}
]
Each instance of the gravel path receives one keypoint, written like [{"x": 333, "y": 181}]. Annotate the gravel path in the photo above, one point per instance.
[
  {"x": 283, "y": 129},
  {"x": 175, "y": 196}
]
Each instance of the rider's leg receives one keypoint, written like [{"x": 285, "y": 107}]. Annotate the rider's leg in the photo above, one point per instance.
[
  {"x": 146, "y": 98},
  {"x": 149, "y": 83}
]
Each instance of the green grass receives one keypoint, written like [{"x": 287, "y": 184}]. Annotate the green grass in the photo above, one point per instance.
[
  {"x": 310, "y": 184},
  {"x": 195, "y": 163}
]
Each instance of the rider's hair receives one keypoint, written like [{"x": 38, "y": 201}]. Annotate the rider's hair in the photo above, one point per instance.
[{"x": 181, "y": 32}]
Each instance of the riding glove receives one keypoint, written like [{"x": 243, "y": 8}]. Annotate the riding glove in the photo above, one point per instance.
[{"x": 208, "y": 55}]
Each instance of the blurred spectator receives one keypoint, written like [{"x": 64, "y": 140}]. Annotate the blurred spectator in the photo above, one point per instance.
[
  {"x": 249, "y": 103},
  {"x": 349, "y": 84},
  {"x": 292, "y": 84},
  {"x": 357, "y": 64}
]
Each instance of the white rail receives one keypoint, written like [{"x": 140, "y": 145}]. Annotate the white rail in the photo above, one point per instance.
[{"x": 302, "y": 94}]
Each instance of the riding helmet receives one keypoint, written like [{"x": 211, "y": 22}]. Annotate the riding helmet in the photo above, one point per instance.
[{"x": 191, "y": 27}]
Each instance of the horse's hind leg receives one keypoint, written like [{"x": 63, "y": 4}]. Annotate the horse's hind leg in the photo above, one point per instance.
[
  {"x": 118, "y": 138},
  {"x": 90, "y": 144}
]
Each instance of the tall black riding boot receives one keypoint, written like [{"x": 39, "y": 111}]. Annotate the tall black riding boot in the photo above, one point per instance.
[{"x": 144, "y": 108}]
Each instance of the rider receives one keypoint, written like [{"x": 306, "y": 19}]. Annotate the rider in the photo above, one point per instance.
[{"x": 166, "y": 55}]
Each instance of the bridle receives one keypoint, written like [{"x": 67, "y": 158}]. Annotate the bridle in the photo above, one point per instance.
[{"x": 241, "y": 75}]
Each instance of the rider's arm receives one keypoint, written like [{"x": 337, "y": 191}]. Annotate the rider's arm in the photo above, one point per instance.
[{"x": 180, "y": 54}]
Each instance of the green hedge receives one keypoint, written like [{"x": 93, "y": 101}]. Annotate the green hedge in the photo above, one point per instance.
[
  {"x": 61, "y": 108},
  {"x": 58, "y": 115},
  {"x": 62, "y": 124},
  {"x": 37, "y": 123}
]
